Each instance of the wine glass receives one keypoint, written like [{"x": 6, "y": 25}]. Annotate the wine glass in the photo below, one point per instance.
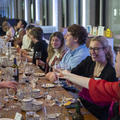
[
  {"x": 37, "y": 56},
  {"x": 56, "y": 69},
  {"x": 27, "y": 72},
  {"x": 9, "y": 77},
  {"x": 10, "y": 93}
]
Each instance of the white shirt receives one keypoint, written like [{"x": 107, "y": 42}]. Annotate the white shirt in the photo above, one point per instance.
[
  {"x": 10, "y": 32},
  {"x": 26, "y": 42}
]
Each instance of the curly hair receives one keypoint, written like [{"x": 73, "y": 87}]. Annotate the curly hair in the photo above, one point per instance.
[
  {"x": 79, "y": 32},
  {"x": 37, "y": 33},
  {"x": 62, "y": 46},
  {"x": 104, "y": 42}
]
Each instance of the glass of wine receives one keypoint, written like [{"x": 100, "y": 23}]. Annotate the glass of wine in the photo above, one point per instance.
[
  {"x": 27, "y": 72},
  {"x": 37, "y": 57}
]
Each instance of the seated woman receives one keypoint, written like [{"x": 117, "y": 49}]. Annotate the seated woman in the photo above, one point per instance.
[
  {"x": 26, "y": 42},
  {"x": 56, "y": 50},
  {"x": 98, "y": 65},
  {"x": 100, "y": 90},
  {"x": 9, "y": 31},
  {"x": 36, "y": 35}
]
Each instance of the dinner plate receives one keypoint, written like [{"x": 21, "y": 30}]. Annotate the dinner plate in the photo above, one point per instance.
[
  {"x": 39, "y": 74},
  {"x": 48, "y": 85}
]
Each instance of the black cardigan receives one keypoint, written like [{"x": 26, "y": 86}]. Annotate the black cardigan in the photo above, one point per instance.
[
  {"x": 86, "y": 69},
  {"x": 40, "y": 46}
]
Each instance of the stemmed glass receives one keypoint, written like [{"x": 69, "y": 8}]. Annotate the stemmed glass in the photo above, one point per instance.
[
  {"x": 28, "y": 88},
  {"x": 38, "y": 57},
  {"x": 28, "y": 72},
  {"x": 45, "y": 112},
  {"x": 8, "y": 45},
  {"x": 62, "y": 67},
  {"x": 56, "y": 69},
  {"x": 9, "y": 77}
]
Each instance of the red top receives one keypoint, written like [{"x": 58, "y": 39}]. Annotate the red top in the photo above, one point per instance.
[{"x": 104, "y": 91}]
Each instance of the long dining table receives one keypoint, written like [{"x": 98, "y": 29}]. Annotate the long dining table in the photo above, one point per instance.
[{"x": 50, "y": 96}]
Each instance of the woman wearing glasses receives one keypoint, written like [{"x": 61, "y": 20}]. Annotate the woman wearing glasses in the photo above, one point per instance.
[
  {"x": 100, "y": 90},
  {"x": 98, "y": 66}
]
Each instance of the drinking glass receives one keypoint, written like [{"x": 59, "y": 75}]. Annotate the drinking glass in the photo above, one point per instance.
[
  {"x": 37, "y": 56},
  {"x": 27, "y": 71},
  {"x": 10, "y": 93},
  {"x": 9, "y": 77},
  {"x": 56, "y": 69},
  {"x": 30, "y": 115}
]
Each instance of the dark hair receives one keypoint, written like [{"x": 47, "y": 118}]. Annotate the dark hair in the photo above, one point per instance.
[
  {"x": 23, "y": 22},
  {"x": 16, "y": 22},
  {"x": 30, "y": 27},
  {"x": 79, "y": 32},
  {"x": 37, "y": 33}
]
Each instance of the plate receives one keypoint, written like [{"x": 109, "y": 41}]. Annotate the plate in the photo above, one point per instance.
[
  {"x": 32, "y": 109},
  {"x": 53, "y": 116},
  {"x": 39, "y": 74},
  {"x": 48, "y": 85},
  {"x": 34, "y": 106}
]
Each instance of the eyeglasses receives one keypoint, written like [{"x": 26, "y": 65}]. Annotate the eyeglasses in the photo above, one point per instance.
[{"x": 96, "y": 49}]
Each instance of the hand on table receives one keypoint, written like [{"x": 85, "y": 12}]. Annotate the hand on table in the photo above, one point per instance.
[
  {"x": 9, "y": 84},
  {"x": 41, "y": 63},
  {"x": 51, "y": 76}
]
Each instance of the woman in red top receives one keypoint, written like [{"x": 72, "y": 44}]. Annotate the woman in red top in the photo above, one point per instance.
[{"x": 99, "y": 90}]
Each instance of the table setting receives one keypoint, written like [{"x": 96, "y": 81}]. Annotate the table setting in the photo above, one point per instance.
[{"x": 36, "y": 98}]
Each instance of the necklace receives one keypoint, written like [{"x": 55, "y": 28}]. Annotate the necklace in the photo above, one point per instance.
[{"x": 98, "y": 69}]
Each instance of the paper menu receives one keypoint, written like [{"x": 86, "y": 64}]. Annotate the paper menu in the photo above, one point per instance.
[{"x": 101, "y": 30}]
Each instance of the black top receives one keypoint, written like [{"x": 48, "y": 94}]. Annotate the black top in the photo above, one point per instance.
[
  {"x": 40, "y": 46},
  {"x": 86, "y": 69}
]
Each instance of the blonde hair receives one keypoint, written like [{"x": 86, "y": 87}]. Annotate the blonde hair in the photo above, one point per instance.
[
  {"x": 5, "y": 26},
  {"x": 104, "y": 42},
  {"x": 51, "y": 49}
]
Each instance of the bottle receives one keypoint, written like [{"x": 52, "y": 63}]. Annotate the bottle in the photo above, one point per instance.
[
  {"x": 15, "y": 70},
  {"x": 108, "y": 33},
  {"x": 77, "y": 115}
]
